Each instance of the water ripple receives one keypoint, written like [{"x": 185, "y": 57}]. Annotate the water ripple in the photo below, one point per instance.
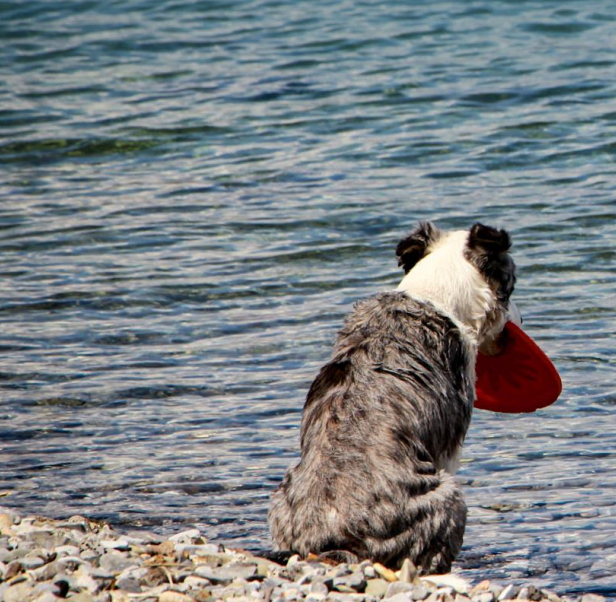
[{"x": 195, "y": 194}]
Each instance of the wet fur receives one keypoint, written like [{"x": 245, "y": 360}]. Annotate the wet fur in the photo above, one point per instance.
[{"x": 385, "y": 418}]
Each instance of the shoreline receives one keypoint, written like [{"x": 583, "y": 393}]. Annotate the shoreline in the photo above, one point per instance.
[{"x": 45, "y": 560}]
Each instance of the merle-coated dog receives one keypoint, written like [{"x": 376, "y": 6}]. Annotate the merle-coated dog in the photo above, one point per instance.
[{"x": 385, "y": 419}]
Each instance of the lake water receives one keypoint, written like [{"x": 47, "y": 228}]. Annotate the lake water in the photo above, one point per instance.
[{"x": 194, "y": 193}]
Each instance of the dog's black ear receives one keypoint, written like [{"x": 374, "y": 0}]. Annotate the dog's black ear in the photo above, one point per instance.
[
  {"x": 412, "y": 248},
  {"x": 489, "y": 239},
  {"x": 487, "y": 251}
]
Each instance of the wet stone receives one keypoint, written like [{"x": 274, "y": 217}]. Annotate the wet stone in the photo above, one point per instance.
[
  {"x": 190, "y": 536},
  {"x": 509, "y": 592},
  {"x": 530, "y": 593}
]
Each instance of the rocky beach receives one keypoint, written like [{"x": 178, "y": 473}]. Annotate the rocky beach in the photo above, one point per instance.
[{"x": 44, "y": 560}]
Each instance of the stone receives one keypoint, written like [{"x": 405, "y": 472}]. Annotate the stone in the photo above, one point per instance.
[
  {"x": 12, "y": 570},
  {"x": 6, "y": 525},
  {"x": 483, "y": 597},
  {"x": 523, "y": 594},
  {"x": 354, "y": 582},
  {"x": 173, "y": 596},
  {"x": 318, "y": 587},
  {"x": 115, "y": 562},
  {"x": 509, "y": 592},
  {"x": 592, "y": 598},
  {"x": 400, "y": 597},
  {"x": 46, "y": 572},
  {"x": 129, "y": 584},
  {"x": 190, "y": 536},
  {"x": 530, "y": 593},
  {"x": 385, "y": 573},
  {"x": 84, "y": 579},
  {"x": 496, "y": 590},
  {"x": 66, "y": 550},
  {"x": 408, "y": 572},
  {"x": 376, "y": 587},
  {"x": 456, "y": 583},
  {"x": 399, "y": 587},
  {"x": 46, "y": 597},
  {"x": 226, "y": 574},
  {"x": 81, "y": 597},
  {"x": 206, "y": 549},
  {"x": 121, "y": 544},
  {"x": 420, "y": 592},
  {"x": 20, "y": 592},
  {"x": 194, "y": 582},
  {"x": 482, "y": 586}
]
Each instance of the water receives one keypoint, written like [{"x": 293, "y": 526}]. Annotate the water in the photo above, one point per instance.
[{"x": 194, "y": 193}]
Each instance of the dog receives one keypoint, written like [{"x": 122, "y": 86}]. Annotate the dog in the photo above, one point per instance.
[{"x": 385, "y": 419}]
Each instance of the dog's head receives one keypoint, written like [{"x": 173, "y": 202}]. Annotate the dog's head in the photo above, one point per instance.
[{"x": 468, "y": 274}]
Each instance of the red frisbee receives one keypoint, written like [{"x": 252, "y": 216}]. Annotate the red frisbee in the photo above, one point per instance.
[{"x": 521, "y": 379}]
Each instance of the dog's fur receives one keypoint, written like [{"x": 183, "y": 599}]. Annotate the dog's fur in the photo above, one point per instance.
[{"x": 385, "y": 419}]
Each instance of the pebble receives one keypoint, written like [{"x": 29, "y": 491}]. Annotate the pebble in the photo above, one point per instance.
[
  {"x": 509, "y": 592},
  {"x": 376, "y": 587},
  {"x": 81, "y": 560}
]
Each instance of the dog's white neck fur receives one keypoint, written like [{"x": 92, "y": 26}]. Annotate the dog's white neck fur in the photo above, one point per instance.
[{"x": 445, "y": 278}]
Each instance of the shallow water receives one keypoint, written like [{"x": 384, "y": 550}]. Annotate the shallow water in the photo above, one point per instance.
[{"x": 194, "y": 193}]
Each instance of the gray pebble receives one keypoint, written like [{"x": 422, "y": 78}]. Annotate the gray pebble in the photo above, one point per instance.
[
  {"x": 115, "y": 562},
  {"x": 121, "y": 544},
  {"x": 354, "y": 582},
  {"x": 318, "y": 587},
  {"x": 31, "y": 561},
  {"x": 206, "y": 549},
  {"x": 67, "y": 550},
  {"x": 226, "y": 574},
  {"x": 399, "y": 587},
  {"x": 509, "y": 593},
  {"x": 46, "y": 572},
  {"x": 187, "y": 537},
  {"x": 420, "y": 592},
  {"x": 483, "y": 597}
]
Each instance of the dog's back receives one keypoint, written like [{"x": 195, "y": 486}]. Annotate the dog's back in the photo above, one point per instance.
[
  {"x": 385, "y": 419},
  {"x": 380, "y": 422}
]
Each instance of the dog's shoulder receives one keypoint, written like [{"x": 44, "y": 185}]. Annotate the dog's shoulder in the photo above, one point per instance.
[{"x": 394, "y": 315}]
